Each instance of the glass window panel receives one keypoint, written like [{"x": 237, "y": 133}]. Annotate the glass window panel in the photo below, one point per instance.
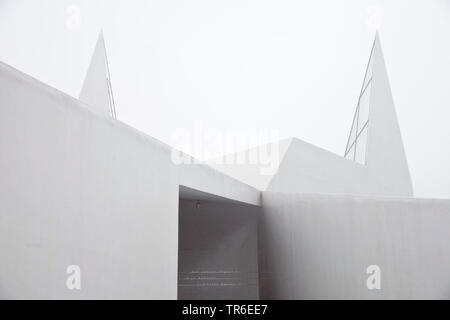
[
  {"x": 360, "y": 120},
  {"x": 361, "y": 144},
  {"x": 352, "y": 133},
  {"x": 351, "y": 154},
  {"x": 364, "y": 104},
  {"x": 368, "y": 74}
]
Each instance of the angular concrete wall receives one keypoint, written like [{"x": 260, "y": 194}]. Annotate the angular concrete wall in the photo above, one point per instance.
[
  {"x": 218, "y": 255},
  {"x": 80, "y": 188},
  {"x": 77, "y": 188},
  {"x": 307, "y": 168},
  {"x": 319, "y": 246}
]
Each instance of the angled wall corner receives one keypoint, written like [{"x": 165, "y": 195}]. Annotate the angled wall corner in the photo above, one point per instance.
[{"x": 97, "y": 91}]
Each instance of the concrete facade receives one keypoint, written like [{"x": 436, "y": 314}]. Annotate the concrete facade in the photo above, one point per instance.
[
  {"x": 79, "y": 187},
  {"x": 305, "y": 168},
  {"x": 319, "y": 247}
]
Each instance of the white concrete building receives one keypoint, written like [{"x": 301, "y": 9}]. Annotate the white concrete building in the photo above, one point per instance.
[{"x": 80, "y": 188}]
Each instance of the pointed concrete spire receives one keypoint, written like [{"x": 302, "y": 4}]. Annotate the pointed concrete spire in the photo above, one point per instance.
[
  {"x": 97, "y": 91},
  {"x": 385, "y": 155},
  {"x": 375, "y": 139},
  {"x": 378, "y": 163}
]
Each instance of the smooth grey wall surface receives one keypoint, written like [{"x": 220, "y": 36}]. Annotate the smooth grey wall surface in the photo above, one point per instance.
[
  {"x": 218, "y": 255},
  {"x": 80, "y": 189},
  {"x": 319, "y": 246}
]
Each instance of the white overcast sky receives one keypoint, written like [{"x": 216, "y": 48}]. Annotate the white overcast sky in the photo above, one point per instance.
[{"x": 293, "y": 66}]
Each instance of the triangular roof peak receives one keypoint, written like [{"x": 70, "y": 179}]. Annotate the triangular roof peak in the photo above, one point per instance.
[{"x": 97, "y": 90}]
